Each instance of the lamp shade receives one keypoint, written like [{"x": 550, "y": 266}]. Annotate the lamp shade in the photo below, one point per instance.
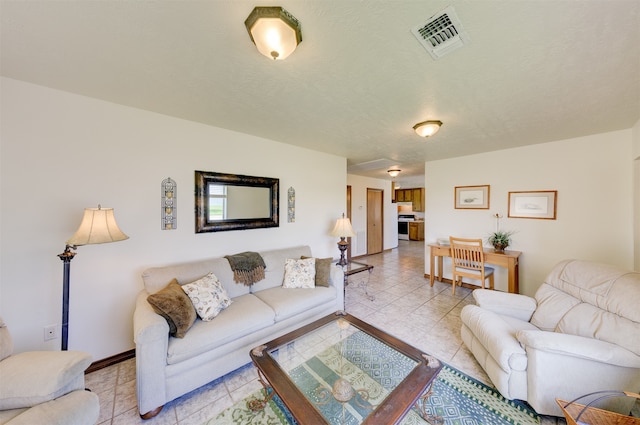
[
  {"x": 394, "y": 172},
  {"x": 427, "y": 128},
  {"x": 98, "y": 226},
  {"x": 343, "y": 228},
  {"x": 275, "y": 32}
]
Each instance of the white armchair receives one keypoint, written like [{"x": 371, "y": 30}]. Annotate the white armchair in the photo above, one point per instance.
[
  {"x": 44, "y": 387},
  {"x": 579, "y": 334}
]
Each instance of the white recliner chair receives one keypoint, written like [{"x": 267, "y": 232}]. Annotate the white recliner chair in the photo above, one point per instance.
[
  {"x": 579, "y": 334},
  {"x": 44, "y": 387}
]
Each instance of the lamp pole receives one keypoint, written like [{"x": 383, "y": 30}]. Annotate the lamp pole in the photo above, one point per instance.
[
  {"x": 98, "y": 226},
  {"x": 66, "y": 258}
]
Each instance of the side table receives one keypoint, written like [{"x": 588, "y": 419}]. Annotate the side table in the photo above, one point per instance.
[{"x": 354, "y": 267}]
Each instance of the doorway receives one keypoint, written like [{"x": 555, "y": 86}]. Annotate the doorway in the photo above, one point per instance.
[
  {"x": 350, "y": 220},
  {"x": 374, "y": 221}
]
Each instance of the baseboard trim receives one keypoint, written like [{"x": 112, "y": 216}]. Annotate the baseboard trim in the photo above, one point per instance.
[
  {"x": 110, "y": 361},
  {"x": 450, "y": 282}
]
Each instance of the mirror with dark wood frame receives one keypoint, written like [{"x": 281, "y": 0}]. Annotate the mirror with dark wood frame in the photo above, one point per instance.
[{"x": 235, "y": 202}]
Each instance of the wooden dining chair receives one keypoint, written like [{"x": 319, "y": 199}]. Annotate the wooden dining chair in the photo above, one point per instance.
[{"x": 467, "y": 260}]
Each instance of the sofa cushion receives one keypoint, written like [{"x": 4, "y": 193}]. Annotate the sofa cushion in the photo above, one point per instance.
[
  {"x": 175, "y": 306},
  {"x": 299, "y": 273},
  {"x": 607, "y": 287},
  {"x": 79, "y": 407},
  {"x": 34, "y": 377},
  {"x": 553, "y": 304},
  {"x": 289, "y": 302},
  {"x": 591, "y": 322},
  {"x": 245, "y": 315},
  {"x": 156, "y": 278},
  {"x": 323, "y": 270},
  {"x": 208, "y": 296},
  {"x": 274, "y": 272},
  {"x": 593, "y": 300},
  {"x": 497, "y": 334}
]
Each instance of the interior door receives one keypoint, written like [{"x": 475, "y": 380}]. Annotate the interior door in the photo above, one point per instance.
[
  {"x": 374, "y": 221},
  {"x": 350, "y": 219}
]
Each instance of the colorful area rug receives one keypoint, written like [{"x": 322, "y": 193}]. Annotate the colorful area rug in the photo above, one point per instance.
[{"x": 457, "y": 399}]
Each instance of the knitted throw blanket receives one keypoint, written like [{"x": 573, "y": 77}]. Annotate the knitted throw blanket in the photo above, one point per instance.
[{"x": 248, "y": 267}]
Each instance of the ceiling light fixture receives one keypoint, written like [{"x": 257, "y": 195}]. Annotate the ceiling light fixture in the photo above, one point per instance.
[
  {"x": 394, "y": 172},
  {"x": 427, "y": 128},
  {"x": 275, "y": 32}
]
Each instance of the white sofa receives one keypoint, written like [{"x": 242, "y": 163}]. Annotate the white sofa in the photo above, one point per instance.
[
  {"x": 168, "y": 367},
  {"x": 44, "y": 387},
  {"x": 579, "y": 334}
]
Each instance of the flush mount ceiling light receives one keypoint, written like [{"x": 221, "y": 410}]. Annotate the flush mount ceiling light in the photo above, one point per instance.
[
  {"x": 394, "y": 172},
  {"x": 275, "y": 32},
  {"x": 427, "y": 128}
]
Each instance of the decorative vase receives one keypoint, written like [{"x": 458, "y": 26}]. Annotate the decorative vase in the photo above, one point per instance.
[{"x": 499, "y": 248}]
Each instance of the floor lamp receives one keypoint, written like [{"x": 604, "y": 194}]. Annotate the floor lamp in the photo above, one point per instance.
[
  {"x": 98, "y": 226},
  {"x": 343, "y": 230}
]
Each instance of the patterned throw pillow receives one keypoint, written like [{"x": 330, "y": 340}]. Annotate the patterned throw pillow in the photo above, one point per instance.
[
  {"x": 208, "y": 296},
  {"x": 299, "y": 273}
]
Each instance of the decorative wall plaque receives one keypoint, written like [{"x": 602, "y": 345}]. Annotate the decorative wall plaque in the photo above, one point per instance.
[
  {"x": 291, "y": 205},
  {"x": 169, "y": 194}
]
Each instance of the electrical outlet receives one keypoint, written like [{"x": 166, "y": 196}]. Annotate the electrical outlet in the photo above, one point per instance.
[{"x": 50, "y": 332}]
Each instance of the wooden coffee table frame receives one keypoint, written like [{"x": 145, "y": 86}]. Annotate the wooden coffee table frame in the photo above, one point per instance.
[{"x": 390, "y": 411}]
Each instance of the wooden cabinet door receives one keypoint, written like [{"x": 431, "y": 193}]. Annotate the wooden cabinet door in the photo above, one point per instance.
[
  {"x": 416, "y": 231},
  {"x": 417, "y": 199},
  {"x": 408, "y": 195},
  {"x": 399, "y": 195},
  {"x": 413, "y": 232}
]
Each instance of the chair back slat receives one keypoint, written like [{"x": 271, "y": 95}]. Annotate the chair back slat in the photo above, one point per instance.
[
  {"x": 467, "y": 259},
  {"x": 467, "y": 253}
]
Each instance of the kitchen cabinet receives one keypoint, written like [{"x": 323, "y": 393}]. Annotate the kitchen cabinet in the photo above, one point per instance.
[
  {"x": 416, "y": 230},
  {"x": 414, "y": 195},
  {"x": 417, "y": 198},
  {"x": 404, "y": 195}
]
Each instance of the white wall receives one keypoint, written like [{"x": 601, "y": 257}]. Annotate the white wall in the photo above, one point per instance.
[
  {"x": 62, "y": 153},
  {"x": 593, "y": 177},
  {"x": 359, "y": 186},
  {"x": 636, "y": 193}
]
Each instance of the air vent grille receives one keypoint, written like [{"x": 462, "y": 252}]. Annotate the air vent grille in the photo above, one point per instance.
[
  {"x": 442, "y": 33},
  {"x": 439, "y": 31}
]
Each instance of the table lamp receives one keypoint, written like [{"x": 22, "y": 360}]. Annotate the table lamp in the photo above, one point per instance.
[{"x": 343, "y": 230}]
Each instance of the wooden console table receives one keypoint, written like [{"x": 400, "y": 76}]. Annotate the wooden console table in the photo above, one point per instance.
[{"x": 508, "y": 260}]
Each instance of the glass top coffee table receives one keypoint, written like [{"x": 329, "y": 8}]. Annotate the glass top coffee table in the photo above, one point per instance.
[{"x": 341, "y": 370}]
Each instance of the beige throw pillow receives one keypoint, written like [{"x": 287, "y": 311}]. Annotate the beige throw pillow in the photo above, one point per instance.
[
  {"x": 323, "y": 270},
  {"x": 208, "y": 296},
  {"x": 299, "y": 273},
  {"x": 175, "y": 306},
  {"x": 6, "y": 343}
]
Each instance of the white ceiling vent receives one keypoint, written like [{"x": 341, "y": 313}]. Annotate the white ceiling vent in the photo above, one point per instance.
[{"x": 442, "y": 33}]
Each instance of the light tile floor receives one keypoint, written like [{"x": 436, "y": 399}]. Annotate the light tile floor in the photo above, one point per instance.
[{"x": 403, "y": 305}]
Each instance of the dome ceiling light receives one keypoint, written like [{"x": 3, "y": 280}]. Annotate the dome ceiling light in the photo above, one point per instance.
[
  {"x": 394, "y": 172},
  {"x": 275, "y": 32},
  {"x": 427, "y": 128}
]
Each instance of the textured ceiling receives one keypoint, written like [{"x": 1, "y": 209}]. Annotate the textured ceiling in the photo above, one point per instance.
[{"x": 534, "y": 71}]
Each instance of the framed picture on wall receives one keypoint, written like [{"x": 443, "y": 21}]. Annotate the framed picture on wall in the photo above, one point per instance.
[
  {"x": 472, "y": 197},
  {"x": 535, "y": 204}
]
